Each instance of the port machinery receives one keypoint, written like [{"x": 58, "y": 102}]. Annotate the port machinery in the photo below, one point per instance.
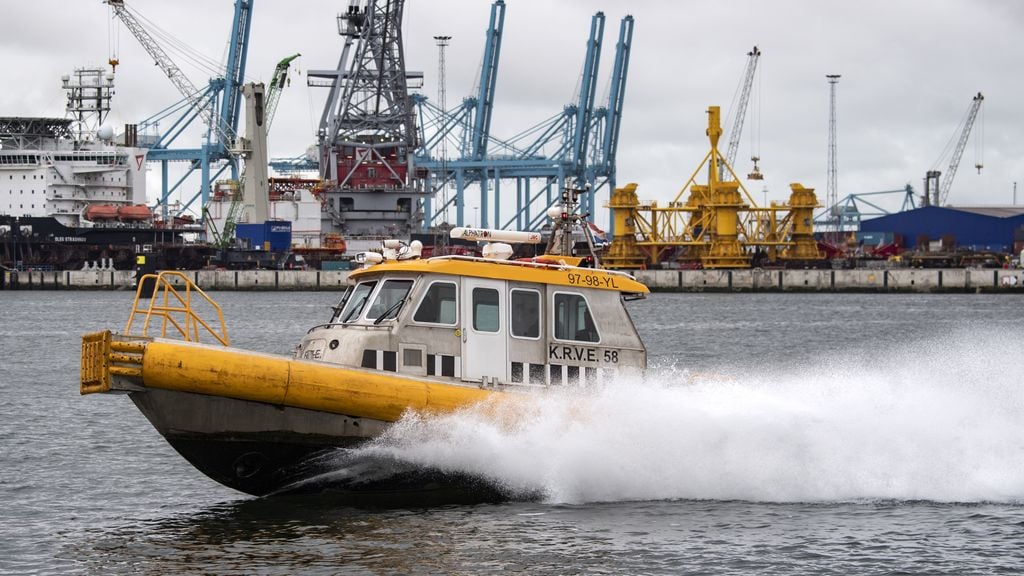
[
  {"x": 218, "y": 106},
  {"x": 717, "y": 226},
  {"x": 574, "y": 148},
  {"x": 383, "y": 150}
]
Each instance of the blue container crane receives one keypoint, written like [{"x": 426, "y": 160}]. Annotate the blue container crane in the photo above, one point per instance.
[{"x": 223, "y": 92}]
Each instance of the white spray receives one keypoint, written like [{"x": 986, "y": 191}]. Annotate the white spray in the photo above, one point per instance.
[{"x": 944, "y": 422}]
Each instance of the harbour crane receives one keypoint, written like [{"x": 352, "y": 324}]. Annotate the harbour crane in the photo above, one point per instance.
[
  {"x": 277, "y": 84},
  {"x": 576, "y": 147},
  {"x": 936, "y": 192},
  {"x": 848, "y": 212},
  {"x": 741, "y": 114},
  {"x": 367, "y": 131},
  {"x": 251, "y": 188},
  {"x": 243, "y": 191},
  {"x": 225, "y": 91},
  {"x": 223, "y": 127}
]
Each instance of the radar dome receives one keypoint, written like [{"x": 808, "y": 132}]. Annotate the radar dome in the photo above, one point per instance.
[{"x": 105, "y": 133}]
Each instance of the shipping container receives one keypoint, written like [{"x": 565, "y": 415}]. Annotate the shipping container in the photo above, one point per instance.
[{"x": 272, "y": 235}]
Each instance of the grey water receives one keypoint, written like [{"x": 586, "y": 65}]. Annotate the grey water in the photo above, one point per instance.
[{"x": 775, "y": 434}]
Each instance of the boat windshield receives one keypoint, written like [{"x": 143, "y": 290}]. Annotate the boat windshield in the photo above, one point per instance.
[
  {"x": 356, "y": 302},
  {"x": 340, "y": 305},
  {"x": 389, "y": 300}
]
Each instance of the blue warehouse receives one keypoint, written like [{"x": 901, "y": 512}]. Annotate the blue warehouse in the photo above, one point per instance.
[{"x": 985, "y": 228}]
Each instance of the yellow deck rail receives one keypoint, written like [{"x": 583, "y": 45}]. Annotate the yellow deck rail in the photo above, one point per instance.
[{"x": 173, "y": 306}]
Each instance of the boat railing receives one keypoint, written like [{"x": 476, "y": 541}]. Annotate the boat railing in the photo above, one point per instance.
[
  {"x": 174, "y": 303},
  {"x": 352, "y": 325},
  {"x": 530, "y": 264}
]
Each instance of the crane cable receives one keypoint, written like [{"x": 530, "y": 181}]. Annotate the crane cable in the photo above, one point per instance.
[
  {"x": 947, "y": 150},
  {"x": 755, "y": 113},
  {"x": 169, "y": 42},
  {"x": 113, "y": 41},
  {"x": 979, "y": 144}
]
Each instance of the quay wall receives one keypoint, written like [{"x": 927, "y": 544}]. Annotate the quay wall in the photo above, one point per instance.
[
  {"x": 206, "y": 279},
  {"x": 887, "y": 280},
  {"x": 742, "y": 280}
]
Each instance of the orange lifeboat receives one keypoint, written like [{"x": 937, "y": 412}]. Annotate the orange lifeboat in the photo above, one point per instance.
[
  {"x": 98, "y": 212},
  {"x": 136, "y": 213},
  {"x": 334, "y": 243}
]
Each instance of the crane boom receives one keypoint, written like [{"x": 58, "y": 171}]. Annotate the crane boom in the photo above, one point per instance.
[
  {"x": 488, "y": 82},
  {"x": 741, "y": 111},
  {"x": 170, "y": 69},
  {"x": 277, "y": 82},
  {"x": 958, "y": 152},
  {"x": 585, "y": 106},
  {"x": 617, "y": 91}
]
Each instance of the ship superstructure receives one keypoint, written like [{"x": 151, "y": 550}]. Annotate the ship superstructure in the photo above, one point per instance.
[{"x": 69, "y": 168}]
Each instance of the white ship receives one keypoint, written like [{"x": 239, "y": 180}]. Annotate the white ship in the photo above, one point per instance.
[{"x": 71, "y": 169}]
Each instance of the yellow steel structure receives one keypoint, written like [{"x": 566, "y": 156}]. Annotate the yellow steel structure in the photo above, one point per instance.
[{"x": 717, "y": 226}]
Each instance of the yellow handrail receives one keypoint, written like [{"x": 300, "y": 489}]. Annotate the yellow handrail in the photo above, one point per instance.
[{"x": 188, "y": 321}]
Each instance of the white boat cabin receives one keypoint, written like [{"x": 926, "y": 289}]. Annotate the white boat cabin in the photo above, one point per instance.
[{"x": 484, "y": 321}]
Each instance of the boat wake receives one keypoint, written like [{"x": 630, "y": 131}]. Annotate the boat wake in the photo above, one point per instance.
[{"x": 943, "y": 422}]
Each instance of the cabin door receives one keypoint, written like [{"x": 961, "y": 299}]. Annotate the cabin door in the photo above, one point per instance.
[{"x": 484, "y": 329}]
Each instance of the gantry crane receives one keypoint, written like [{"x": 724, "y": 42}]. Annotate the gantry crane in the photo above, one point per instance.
[
  {"x": 935, "y": 192},
  {"x": 850, "y": 210},
  {"x": 574, "y": 148},
  {"x": 741, "y": 114}
]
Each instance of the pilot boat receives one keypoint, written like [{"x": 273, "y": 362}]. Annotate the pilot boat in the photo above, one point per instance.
[{"x": 429, "y": 335}]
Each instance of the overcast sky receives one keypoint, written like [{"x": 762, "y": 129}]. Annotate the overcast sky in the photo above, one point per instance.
[{"x": 909, "y": 70}]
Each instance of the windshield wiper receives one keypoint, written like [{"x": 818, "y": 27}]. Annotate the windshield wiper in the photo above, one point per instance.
[
  {"x": 354, "y": 310},
  {"x": 337, "y": 310},
  {"x": 394, "y": 308}
]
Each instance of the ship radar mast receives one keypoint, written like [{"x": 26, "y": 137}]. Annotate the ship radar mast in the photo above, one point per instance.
[
  {"x": 89, "y": 93},
  {"x": 565, "y": 219}
]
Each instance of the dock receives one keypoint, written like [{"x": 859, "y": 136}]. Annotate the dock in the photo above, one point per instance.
[{"x": 910, "y": 280}]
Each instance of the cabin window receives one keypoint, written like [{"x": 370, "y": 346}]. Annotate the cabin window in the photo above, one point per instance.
[
  {"x": 357, "y": 301},
  {"x": 573, "y": 320},
  {"x": 485, "y": 310},
  {"x": 389, "y": 300},
  {"x": 341, "y": 305},
  {"x": 525, "y": 311},
  {"x": 438, "y": 305}
]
